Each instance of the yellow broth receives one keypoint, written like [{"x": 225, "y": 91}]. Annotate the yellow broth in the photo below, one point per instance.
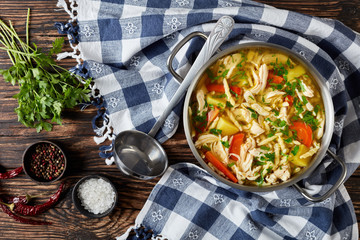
[{"x": 257, "y": 116}]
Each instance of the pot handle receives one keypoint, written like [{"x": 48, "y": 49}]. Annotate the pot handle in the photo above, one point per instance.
[
  {"x": 333, "y": 188},
  {"x": 176, "y": 50}
]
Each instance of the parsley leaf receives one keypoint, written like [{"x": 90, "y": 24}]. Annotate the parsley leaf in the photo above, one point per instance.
[
  {"x": 46, "y": 89},
  {"x": 215, "y": 131},
  {"x": 295, "y": 150},
  {"x": 225, "y": 143},
  {"x": 229, "y": 105}
]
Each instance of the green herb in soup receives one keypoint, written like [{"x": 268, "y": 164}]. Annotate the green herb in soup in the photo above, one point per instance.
[{"x": 257, "y": 117}]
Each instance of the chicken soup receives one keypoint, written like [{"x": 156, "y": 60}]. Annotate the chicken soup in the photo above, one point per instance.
[{"x": 257, "y": 117}]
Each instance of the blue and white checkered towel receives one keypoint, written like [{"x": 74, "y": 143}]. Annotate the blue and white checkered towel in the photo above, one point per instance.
[
  {"x": 124, "y": 45},
  {"x": 187, "y": 203}
]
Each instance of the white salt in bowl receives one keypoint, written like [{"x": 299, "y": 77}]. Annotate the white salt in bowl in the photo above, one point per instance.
[{"x": 95, "y": 196}]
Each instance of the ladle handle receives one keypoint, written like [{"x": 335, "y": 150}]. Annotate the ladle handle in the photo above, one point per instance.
[{"x": 222, "y": 29}]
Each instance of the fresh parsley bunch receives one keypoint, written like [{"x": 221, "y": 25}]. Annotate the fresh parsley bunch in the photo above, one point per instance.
[{"x": 46, "y": 89}]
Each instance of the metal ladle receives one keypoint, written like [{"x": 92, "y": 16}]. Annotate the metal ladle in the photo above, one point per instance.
[{"x": 138, "y": 154}]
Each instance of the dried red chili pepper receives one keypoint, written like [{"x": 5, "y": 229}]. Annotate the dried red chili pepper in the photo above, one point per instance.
[
  {"x": 28, "y": 210},
  {"x": 23, "y": 199},
  {"x": 21, "y": 219},
  {"x": 11, "y": 173}
]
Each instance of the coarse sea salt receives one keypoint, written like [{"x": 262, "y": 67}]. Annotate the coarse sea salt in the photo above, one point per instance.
[{"x": 96, "y": 195}]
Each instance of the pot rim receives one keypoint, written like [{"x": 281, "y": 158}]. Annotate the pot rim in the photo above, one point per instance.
[{"x": 327, "y": 102}]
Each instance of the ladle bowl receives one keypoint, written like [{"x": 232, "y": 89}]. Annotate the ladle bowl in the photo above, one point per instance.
[{"x": 139, "y": 155}]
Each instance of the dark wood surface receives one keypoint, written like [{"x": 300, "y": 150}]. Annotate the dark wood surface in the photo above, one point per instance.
[{"x": 75, "y": 136}]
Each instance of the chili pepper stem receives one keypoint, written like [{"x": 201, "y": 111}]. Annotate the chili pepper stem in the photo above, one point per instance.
[{"x": 10, "y": 206}]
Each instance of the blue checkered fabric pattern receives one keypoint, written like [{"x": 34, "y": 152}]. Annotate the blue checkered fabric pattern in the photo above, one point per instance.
[
  {"x": 187, "y": 203},
  {"x": 125, "y": 45}
]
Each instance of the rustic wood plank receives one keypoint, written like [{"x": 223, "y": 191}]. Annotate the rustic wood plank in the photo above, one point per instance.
[{"x": 75, "y": 135}]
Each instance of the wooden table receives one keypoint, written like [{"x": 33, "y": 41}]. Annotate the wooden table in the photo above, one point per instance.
[{"x": 76, "y": 134}]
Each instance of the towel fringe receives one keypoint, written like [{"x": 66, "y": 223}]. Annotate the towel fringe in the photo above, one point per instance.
[{"x": 71, "y": 29}]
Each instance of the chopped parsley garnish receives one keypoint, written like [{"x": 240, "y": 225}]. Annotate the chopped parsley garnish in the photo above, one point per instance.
[
  {"x": 220, "y": 96},
  {"x": 276, "y": 112},
  {"x": 305, "y": 101},
  {"x": 215, "y": 131},
  {"x": 316, "y": 109},
  {"x": 295, "y": 150},
  {"x": 240, "y": 75},
  {"x": 288, "y": 63},
  {"x": 225, "y": 144},
  {"x": 214, "y": 78},
  {"x": 200, "y": 118},
  {"x": 259, "y": 163},
  {"x": 276, "y": 86},
  {"x": 231, "y": 164},
  {"x": 279, "y": 123},
  {"x": 210, "y": 74},
  {"x": 260, "y": 180},
  {"x": 234, "y": 93},
  {"x": 253, "y": 113},
  {"x": 279, "y": 69},
  {"x": 309, "y": 119},
  {"x": 272, "y": 133},
  {"x": 211, "y": 106},
  {"x": 270, "y": 157},
  {"x": 265, "y": 148},
  {"x": 206, "y": 148},
  {"x": 288, "y": 140},
  {"x": 229, "y": 105}
]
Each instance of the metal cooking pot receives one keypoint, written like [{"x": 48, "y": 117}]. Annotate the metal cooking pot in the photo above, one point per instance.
[{"x": 325, "y": 141}]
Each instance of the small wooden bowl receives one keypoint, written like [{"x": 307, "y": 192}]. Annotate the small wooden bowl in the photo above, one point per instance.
[
  {"x": 77, "y": 202},
  {"x": 27, "y": 159}
]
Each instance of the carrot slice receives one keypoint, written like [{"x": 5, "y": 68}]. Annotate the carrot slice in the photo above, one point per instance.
[
  {"x": 275, "y": 78},
  {"x": 304, "y": 132},
  {"x": 212, "y": 114},
  {"x": 216, "y": 88},
  {"x": 236, "y": 89},
  {"x": 221, "y": 89},
  {"x": 211, "y": 158},
  {"x": 237, "y": 140},
  {"x": 289, "y": 99}
]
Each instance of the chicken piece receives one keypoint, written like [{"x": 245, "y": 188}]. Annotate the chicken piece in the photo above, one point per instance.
[
  {"x": 242, "y": 115},
  {"x": 255, "y": 129},
  {"x": 271, "y": 179},
  {"x": 283, "y": 172},
  {"x": 283, "y": 113},
  {"x": 308, "y": 92},
  {"x": 200, "y": 97},
  {"x": 308, "y": 105},
  {"x": 231, "y": 63},
  {"x": 259, "y": 109},
  {"x": 249, "y": 97},
  {"x": 320, "y": 130},
  {"x": 247, "y": 163},
  {"x": 227, "y": 92},
  {"x": 219, "y": 152},
  {"x": 272, "y": 94},
  {"x": 233, "y": 119},
  {"x": 261, "y": 80},
  {"x": 206, "y": 138},
  {"x": 253, "y": 174}
]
